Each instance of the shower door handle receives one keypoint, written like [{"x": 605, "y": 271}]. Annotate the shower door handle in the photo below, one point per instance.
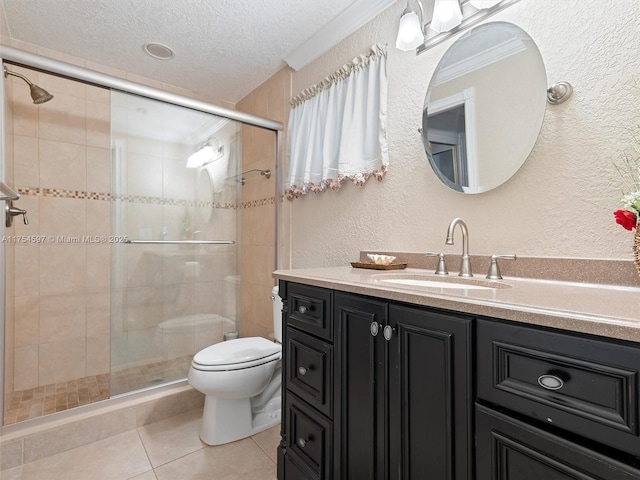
[{"x": 12, "y": 211}]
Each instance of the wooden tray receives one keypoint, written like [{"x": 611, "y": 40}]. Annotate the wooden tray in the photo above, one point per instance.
[{"x": 373, "y": 266}]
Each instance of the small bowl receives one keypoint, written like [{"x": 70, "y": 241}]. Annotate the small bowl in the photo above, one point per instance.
[{"x": 381, "y": 259}]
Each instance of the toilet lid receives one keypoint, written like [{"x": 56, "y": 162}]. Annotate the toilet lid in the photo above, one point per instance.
[{"x": 239, "y": 351}]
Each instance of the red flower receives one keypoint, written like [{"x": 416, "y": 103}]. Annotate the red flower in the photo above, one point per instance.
[{"x": 625, "y": 218}]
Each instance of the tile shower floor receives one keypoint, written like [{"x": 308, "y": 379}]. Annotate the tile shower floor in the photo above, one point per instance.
[
  {"x": 165, "y": 450},
  {"x": 36, "y": 402}
]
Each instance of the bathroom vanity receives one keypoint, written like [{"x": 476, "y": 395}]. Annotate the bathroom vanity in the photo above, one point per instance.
[{"x": 501, "y": 380}]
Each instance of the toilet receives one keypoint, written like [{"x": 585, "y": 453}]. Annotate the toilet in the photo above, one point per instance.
[{"x": 241, "y": 380}]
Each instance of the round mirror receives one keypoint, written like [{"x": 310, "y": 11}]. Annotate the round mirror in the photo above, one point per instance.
[{"x": 484, "y": 107}]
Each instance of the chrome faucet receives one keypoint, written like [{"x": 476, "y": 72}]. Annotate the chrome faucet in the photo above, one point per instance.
[{"x": 465, "y": 264}]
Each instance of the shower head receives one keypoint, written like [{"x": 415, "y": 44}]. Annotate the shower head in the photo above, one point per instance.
[{"x": 38, "y": 94}]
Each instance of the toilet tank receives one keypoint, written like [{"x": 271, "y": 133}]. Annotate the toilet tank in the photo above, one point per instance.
[{"x": 277, "y": 314}]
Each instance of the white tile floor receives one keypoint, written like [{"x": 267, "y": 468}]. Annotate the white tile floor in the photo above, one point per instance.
[{"x": 166, "y": 450}]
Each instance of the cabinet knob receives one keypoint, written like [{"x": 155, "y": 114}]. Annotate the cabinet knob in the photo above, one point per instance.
[
  {"x": 550, "y": 382},
  {"x": 374, "y": 328},
  {"x": 303, "y": 370},
  {"x": 388, "y": 332},
  {"x": 301, "y": 442},
  {"x": 302, "y": 309}
]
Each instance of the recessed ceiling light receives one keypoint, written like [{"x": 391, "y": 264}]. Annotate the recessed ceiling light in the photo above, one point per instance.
[{"x": 158, "y": 50}]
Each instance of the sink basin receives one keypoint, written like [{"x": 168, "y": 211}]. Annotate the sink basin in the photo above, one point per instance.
[{"x": 448, "y": 283}]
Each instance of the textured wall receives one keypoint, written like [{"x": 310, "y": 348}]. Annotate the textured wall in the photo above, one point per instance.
[{"x": 558, "y": 204}]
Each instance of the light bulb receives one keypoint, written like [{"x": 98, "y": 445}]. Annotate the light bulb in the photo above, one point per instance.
[
  {"x": 410, "y": 34},
  {"x": 446, "y": 15}
]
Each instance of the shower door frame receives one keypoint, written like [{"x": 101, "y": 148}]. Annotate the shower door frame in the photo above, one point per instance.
[{"x": 74, "y": 72}]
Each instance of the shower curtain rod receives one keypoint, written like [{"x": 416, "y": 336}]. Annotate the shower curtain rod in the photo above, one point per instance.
[{"x": 72, "y": 71}]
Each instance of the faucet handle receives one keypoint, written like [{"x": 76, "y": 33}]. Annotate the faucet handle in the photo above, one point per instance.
[
  {"x": 494, "y": 269},
  {"x": 442, "y": 267}
]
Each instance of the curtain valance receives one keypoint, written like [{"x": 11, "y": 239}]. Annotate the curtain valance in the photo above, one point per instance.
[{"x": 337, "y": 128}]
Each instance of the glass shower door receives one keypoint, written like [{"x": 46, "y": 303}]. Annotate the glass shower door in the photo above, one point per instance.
[{"x": 175, "y": 225}]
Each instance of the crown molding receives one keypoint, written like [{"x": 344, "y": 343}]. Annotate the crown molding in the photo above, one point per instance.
[
  {"x": 480, "y": 60},
  {"x": 351, "y": 19}
]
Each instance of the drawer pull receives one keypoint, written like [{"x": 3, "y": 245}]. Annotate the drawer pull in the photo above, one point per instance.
[
  {"x": 550, "y": 382},
  {"x": 301, "y": 442},
  {"x": 304, "y": 309},
  {"x": 374, "y": 328},
  {"x": 303, "y": 370}
]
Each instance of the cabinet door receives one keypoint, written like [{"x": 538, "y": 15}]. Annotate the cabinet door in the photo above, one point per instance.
[
  {"x": 430, "y": 402},
  {"x": 359, "y": 387},
  {"x": 508, "y": 449}
]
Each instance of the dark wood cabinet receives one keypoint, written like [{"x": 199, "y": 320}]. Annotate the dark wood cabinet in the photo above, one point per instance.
[
  {"x": 581, "y": 384},
  {"x": 306, "y": 449},
  {"x": 430, "y": 395},
  {"x": 361, "y": 356},
  {"x": 309, "y": 438},
  {"x": 381, "y": 390},
  {"x": 404, "y": 391},
  {"x": 509, "y": 449}
]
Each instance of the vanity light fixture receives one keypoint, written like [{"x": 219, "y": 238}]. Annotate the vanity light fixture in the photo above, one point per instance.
[
  {"x": 449, "y": 18},
  {"x": 208, "y": 153},
  {"x": 410, "y": 34}
]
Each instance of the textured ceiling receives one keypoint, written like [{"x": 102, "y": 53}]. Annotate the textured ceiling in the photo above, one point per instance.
[{"x": 224, "y": 48}]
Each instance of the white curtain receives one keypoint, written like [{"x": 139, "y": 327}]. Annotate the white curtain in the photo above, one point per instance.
[{"x": 337, "y": 129}]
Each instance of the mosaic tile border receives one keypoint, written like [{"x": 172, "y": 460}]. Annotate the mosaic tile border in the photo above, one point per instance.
[
  {"x": 82, "y": 195},
  {"x": 259, "y": 203},
  {"x": 172, "y": 202},
  {"x": 61, "y": 193}
]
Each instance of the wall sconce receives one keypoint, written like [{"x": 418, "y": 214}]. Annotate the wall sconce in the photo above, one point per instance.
[
  {"x": 209, "y": 152},
  {"x": 449, "y": 17}
]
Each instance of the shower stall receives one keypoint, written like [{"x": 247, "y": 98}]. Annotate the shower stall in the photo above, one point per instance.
[{"x": 131, "y": 258}]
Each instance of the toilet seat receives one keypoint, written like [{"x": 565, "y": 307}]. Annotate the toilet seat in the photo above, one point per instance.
[{"x": 237, "y": 354}]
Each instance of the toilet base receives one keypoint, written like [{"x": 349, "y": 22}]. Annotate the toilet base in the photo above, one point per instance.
[{"x": 228, "y": 420}]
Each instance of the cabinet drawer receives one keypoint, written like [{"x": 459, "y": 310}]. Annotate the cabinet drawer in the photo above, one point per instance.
[
  {"x": 309, "y": 439},
  {"x": 309, "y": 369},
  {"x": 508, "y": 449},
  {"x": 309, "y": 308},
  {"x": 583, "y": 385},
  {"x": 293, "y": 471}
]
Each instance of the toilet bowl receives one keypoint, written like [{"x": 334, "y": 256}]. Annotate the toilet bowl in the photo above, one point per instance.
[{"x": 241, "y": 380}]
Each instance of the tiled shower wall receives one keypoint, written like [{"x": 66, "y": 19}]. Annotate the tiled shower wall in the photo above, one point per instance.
[
  {"x": 59, "y": 285},
  {"x": 270, "y": 100}
]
